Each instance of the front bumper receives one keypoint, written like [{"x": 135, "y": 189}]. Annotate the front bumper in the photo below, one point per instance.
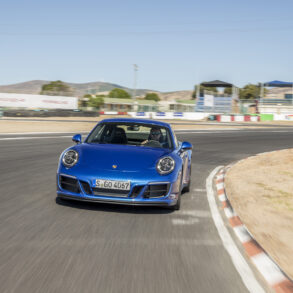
[
  {"x": 82, "y": 194},
  {"x": 117, "y": 201}
]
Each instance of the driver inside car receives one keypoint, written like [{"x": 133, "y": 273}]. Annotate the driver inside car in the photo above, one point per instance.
[{"x": 155, "y": 135}]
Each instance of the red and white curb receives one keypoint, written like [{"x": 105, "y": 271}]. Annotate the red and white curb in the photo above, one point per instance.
[
  {"x": 265, "y": 265},
  {"x": 237, "y": 118}
]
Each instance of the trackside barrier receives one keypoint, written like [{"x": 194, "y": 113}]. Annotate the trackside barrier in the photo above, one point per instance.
[
  {"x": 140, "y": 114},
  {"x": 170, "y": 115},
  {"x": 163, "y": 115},
  {"x": 225, "y": 118},
  {"x": 195, "y": 116},
  {"x": 160, "y": 114},
  {"x": 254, "y": 118},
  {"x": 112, "y": 113},
  {"x": 238, "y": 118},
  {"x": 267, "y": 117}
]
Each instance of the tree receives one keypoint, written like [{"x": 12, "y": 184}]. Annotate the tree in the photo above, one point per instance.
[
  {"x": 119, "y": 94},
  {"x": 56, "y": 88},
  {"x": 95, "y": 101},
  {"x": 202, "y": 89},
  {"x": 228, "y": 91},
  {"x": 152, "y": 96},
  {"x": 250, "y": 92}
]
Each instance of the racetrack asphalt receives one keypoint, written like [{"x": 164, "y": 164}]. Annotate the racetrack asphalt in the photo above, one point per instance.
[
  {"x": 270, "y": 124},
  {"x": 82, "y": 247}
]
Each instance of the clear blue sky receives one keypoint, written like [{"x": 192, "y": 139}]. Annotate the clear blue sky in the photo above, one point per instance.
[{"x": 175, "y": 43}]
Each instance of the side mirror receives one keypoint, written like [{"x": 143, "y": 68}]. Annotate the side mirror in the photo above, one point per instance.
[
  {"x": 77, "y": 138},
  {"x": 186, "y": 146}
]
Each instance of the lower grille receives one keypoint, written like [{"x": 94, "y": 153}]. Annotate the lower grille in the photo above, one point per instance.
[
  {"x": 110, "y": 192},
  {"x": 158, "y": 190},
  {"x": 70, "y": 184},
  {"x": 136, "y": 191},
  {"x": 86, "y": 187}
]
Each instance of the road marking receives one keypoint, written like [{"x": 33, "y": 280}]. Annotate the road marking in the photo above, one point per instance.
[
  {"x": 199, "y": 189},
  {"x": 233, "y": 131},
  {"x": 200, "y": 132},
  {"x": 29, "y": 133},
  {"x": 183, "y": 222},
  {"x": 207, "y": 129},
  {"x": 196, "y": 213},
  {"x": 118, "y": 241},
  {"x": 35, "y": 137},
  {"x": 238, "y": 260},
  {"x": 281, "y": 131}
]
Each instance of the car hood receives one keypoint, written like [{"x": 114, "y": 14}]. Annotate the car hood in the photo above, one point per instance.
[{"x": 118, "y": 157}]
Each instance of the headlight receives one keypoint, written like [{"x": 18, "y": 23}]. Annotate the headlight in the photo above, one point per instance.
[
  {"x": 70, "y": 158},
  {"x": 165, "y": 165}
]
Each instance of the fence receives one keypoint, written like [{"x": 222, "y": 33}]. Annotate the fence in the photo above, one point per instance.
[
  {"x": 218, "y": 105},
  {"x": 277, "y": 106}
]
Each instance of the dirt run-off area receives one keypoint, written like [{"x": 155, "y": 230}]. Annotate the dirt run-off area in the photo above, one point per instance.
[
  {"x": 260, "y": 190},
  {"x": 85, "y": 124},
  {"x": 75, "y": 125}
]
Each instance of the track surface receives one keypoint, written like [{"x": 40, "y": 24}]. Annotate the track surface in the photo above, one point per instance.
[
  {"x": 184, "y": 122},
  {"x": 78, "y": 247}
]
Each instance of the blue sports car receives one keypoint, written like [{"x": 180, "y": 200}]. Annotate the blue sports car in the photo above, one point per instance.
[{"x": 126, "y": 161}]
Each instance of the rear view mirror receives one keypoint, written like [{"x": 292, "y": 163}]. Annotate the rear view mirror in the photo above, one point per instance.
[
  {"x": 77, "y": 138},
  {"x": 133, "y": 128},
  {"x": 186, "y": 146}
]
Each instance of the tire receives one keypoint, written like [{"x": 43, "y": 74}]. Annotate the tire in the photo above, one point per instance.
[
  {"x": 62, "y": 201},
  {"x": 176, "y": 207},
  {"x": 187, "y": 188}
]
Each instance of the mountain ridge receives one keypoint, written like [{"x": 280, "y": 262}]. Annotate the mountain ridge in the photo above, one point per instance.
[{"x": 34, "y": 87}]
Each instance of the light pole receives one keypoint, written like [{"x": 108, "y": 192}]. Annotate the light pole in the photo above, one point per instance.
[{"x": 135, "y": 68}]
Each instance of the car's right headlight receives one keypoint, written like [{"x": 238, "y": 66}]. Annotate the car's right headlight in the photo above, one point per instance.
[
  {"x": 70, "y": 158},
  {"x": 165, "y": 165}
]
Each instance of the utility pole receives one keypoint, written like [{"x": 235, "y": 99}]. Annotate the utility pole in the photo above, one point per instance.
[{"x": 135, "y": 68}]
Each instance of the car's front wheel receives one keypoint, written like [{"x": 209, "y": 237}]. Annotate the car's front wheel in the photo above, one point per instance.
[
  {"x": 176, "y": 207},
  {"x": 187, "y": 188}
]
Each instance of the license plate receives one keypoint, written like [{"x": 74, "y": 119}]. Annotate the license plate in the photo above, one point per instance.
[{"x": 112, "y": 184}]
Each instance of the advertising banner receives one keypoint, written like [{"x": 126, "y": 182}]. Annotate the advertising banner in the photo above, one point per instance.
[
  {"x": 208, "y": 100},
  {"x": 37, "y": 101}
]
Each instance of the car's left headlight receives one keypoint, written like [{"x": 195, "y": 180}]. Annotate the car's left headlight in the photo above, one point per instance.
[
  {"x": 165, "y": 165},
  {"x": 70, "y": 158}
]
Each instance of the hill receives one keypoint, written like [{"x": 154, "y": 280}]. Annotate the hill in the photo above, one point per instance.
[
  {"x": 177, "y": 95},
  {"x": 34, "y": 87}
]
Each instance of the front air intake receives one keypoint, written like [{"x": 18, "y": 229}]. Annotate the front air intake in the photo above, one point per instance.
[
  {"x": 69, "y": 184},
  {"x": 86, "y": 187},
  {"x": 158, "y": 190}
]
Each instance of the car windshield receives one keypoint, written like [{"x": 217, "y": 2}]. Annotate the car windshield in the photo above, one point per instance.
[{"x": 144, "y": 135}]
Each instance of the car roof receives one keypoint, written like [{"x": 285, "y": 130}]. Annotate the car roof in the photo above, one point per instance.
[{"x": 136, "y": 120}]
